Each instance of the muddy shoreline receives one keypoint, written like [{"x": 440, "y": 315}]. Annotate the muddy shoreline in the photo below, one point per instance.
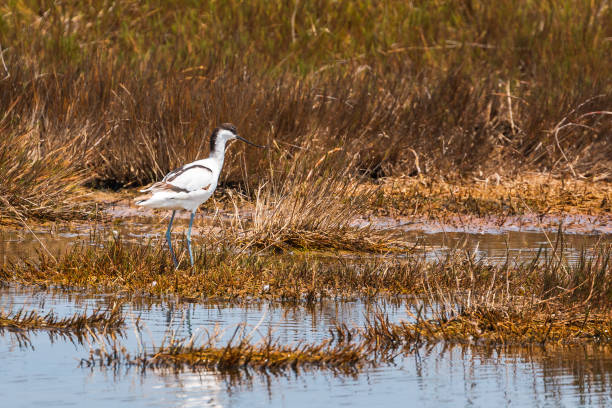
[{"x": 583, "y": 224}]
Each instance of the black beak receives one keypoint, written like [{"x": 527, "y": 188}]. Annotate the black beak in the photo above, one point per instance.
[{"x": 251, "y": 143}]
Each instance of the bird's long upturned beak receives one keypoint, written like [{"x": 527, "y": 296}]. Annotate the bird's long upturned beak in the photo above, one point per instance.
[{"x": 246, "y": 141}]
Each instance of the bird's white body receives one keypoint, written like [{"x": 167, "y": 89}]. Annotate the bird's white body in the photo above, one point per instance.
[
  {"x": 194, "y": 186},
  {"x": 188, "y": 187}
]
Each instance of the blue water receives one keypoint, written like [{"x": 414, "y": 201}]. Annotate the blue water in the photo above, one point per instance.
[{"x": 439, "y": 376}]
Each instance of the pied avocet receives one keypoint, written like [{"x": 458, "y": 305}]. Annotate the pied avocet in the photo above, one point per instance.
[{"x": 191, "y": 185}]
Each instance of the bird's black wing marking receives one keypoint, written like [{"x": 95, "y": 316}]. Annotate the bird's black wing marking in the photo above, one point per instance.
[
  {"x": 175, "y": 173},
  {"x": 172, "y": 173},
  {"x": 159, "y": 186}
]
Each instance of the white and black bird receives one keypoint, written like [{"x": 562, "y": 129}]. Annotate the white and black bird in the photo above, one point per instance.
[{"x": 191, "y": 185}]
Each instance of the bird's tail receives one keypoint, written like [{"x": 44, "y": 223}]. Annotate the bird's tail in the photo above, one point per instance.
[
  {"x": 156, "y": 186},
  {"x": 141, "y": 200}
]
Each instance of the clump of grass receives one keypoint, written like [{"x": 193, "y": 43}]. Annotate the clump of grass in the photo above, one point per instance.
[
  {"x": 79, "y": 326},
  {"x": 299, "y": 208},
  {"x": 484, "y": 324},
  {"x": 36, "y": 182},
  {"x": 267, "y": 355}
]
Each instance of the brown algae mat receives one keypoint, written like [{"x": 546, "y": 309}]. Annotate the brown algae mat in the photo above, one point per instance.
[
  {"x": 266, "y": 355},
  {"x": 525, "y": 194}
]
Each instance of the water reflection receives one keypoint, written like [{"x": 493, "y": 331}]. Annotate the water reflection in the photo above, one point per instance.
[
  {"x": 437, "y": 375},
  {"x": 199, "y": 389}
]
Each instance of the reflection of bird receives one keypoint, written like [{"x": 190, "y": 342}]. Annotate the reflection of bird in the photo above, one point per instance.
[{"x": 191, "y": 185}]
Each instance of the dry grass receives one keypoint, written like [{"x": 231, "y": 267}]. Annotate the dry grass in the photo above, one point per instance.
[
  {"x": 37, "y": 181},
  {"x": 430, "y": 89}
]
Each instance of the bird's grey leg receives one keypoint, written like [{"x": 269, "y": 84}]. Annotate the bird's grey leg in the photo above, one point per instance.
[
  {"x": 189, "y": 237},
  {"x": 169, "y": 239}
]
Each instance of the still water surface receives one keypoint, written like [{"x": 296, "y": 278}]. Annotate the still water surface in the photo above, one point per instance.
[{"x": 521, "y": 246}]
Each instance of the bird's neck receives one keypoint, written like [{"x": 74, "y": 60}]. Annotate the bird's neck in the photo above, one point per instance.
[{"x": 218, "y": 153}]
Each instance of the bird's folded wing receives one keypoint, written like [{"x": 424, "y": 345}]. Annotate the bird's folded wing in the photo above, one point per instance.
[
  {"x": 187, "y": 179},
  {"x": 159, "y": 187}
]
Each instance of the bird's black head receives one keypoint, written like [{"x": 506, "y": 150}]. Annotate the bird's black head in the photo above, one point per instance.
[
  {"x": 229, "y": 126},
  {"x": 228, "y": 132},
  {"x": 225, "y": 126}
]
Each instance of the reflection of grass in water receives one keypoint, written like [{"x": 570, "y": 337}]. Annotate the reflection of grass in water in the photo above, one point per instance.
[
  {"x": 347, "y": 351},
  {"x": 77, "y": 327}
]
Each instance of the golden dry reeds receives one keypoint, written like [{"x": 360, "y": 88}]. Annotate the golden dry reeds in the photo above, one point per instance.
[
  {"x": 427, "y": 90},
  {"x": 38, "y": 180}
]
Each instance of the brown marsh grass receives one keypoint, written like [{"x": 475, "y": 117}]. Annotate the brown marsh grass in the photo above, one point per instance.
[
  {"x": 223, "y": 272},
  {"x": 428, "y": 90}
]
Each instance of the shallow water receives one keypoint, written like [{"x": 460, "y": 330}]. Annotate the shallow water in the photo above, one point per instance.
[
  {"x": 495, "y": 247},
  {"x": 48, "y": 372},
  {"x": 438, "y": 376}
]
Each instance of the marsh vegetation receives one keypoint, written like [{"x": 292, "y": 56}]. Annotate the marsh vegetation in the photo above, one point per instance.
[{"x": 426, "y": 111}]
